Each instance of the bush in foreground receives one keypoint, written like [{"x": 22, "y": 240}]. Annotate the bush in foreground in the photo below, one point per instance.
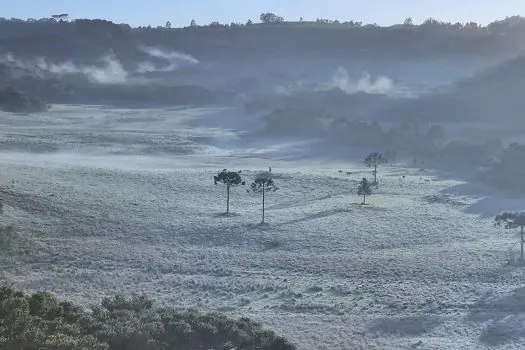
[{"x": 41, "y": 321}]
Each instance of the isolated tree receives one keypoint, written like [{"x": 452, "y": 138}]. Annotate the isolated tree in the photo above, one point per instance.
[
  {"x": 409, "y": 21},
  {"x": 229, "y": 179},
  {"x": 193, "y": 23},
  {"x": 249, "y": 22},
  {"x": 301, "y": 19},
  {"x": 364, "y": 189},
  {"x": 512, "y": 221},
  {"x": 374, "y": 160},
  {"x": 269, "y": 17},
  {"x": 262, "y": 184},
  {"x": 168, "y": 25}
]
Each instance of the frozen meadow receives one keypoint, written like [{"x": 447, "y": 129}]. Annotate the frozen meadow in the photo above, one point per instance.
[{"x": 109, "y": 201}]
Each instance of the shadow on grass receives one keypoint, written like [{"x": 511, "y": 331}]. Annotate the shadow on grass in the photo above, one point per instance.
[
  {"x": 505, "y": 317},
  {"x": 405, "y": 326},
  {"x": 320, "y": 215},
  {"x": 226, "y": 215}
]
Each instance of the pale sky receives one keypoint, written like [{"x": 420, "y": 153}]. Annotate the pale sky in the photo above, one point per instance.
[{"x": 181, "y": 12}]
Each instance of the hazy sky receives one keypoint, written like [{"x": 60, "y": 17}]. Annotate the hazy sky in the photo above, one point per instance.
[{"x": 180, "y": 12}]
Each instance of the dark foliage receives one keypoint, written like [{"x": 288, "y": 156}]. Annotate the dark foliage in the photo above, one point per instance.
[
  {"x": 40, "y": 321},
  {"x": 271, "y": 18},
  {"x": 229, "y": 179},
  {"x": 374, "y": 160},
  {"x": 364, "y": 189},
  {"x": 510, "y": 220},
  {"x": 262, "y": 184}
]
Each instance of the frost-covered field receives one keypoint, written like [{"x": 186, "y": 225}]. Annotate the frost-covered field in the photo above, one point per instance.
[{"x": 123, "y": 201}]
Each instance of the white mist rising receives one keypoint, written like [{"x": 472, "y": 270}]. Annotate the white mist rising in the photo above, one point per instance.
[
  {"x": 109, "y": 71},
  {"x": 175, "y": 60},
  {"x": 342, "y": 80}
]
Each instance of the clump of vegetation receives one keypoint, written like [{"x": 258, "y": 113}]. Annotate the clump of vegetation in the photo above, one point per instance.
[{"x": 41, "y": 321}]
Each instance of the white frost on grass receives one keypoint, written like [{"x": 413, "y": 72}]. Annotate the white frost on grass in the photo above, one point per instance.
[{"x": 417, "y": 268}]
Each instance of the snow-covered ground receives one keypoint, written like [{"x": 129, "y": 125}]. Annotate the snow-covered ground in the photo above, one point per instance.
[{"x": 108, "y": 201}]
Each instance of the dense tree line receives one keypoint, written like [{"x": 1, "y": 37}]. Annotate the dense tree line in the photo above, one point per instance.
[{"x": 51, "y": 37}]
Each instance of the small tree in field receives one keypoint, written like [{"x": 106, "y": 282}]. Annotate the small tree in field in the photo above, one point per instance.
[
  {"x": 374, "y": 160},
  {"x": 512, "y": 221},
  {"x": 364, "y": 189},
  {"x": 229, "y": 179},
  {"x": 262, "y": 184}
]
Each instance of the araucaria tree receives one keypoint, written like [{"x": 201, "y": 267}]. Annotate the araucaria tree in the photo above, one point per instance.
[
  {"x": 512, "y": 221},
  {"x": 364, "y": 189},
  {"x": 374, "y": 160},
  {"x": 262, "y": 184},
  {"x": 229, "y": 179}
]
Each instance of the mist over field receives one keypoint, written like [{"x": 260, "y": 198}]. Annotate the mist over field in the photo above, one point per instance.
[{"x": 113, "y": 139}]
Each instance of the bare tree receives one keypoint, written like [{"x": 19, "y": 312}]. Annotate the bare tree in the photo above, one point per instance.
[
  {"x": 229, "y": 179},
  {"x": 262, "y": 184},
  {"x": 512, "y": 221},
  {"x": 364, "y": 189},
  {"x": 374, "y": 160}
]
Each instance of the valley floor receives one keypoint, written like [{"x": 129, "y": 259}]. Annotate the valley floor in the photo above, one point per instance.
[{"x": 421, "y": 266}]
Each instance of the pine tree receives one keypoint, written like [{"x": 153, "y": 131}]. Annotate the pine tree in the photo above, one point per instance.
[
  {"x": 262, "y": 184},
  {"x": 229, "y": 179},
  {"x": 364, "y": 189}
]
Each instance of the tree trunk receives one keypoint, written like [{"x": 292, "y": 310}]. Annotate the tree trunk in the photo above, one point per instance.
[
  {"x": 375, "y": 173},
  {"x": 263, "y": 205},
  {"x": 227, "y": 199},
  {"x": 364, "y": 198},
  {"x": 522, "y": 241}
]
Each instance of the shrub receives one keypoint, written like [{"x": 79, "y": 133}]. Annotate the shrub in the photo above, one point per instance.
[{"x": 41, "y": 321}]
